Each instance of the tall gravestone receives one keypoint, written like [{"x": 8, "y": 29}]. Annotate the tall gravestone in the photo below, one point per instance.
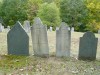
[
  {"x": 27, "y": 26},
  {"x": 18, "y": 41},
  {"x": 88, "y": 46},
  {"x": 39, "y": 38},
  {"x": 63, "y": 40}
]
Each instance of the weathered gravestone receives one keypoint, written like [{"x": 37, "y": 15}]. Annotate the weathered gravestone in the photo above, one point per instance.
[
  {"x": 63, "y": 40},
  {"x": 18, "y": 41},
  {"x": 88, "y": 46},
  {"x": 39, "y": 39},
  {"x": 27, "y": 26}
]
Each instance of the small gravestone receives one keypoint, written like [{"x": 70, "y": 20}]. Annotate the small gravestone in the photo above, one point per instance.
[
  {"x": 98, "y": 31},
  {"x": 57, "y": 28},
  {"x": 8, "y": 28},
  {"x": 39, "y": 39},
  {"x": 63, "y": 40},
  {"x": 18, "y": 41},
  {"x": 27, "y": 26},
  {"x": 50, "y": 29},
  {"x": 68, "y": 28},
  {"x": 88, "y": 46},
  {"x": 72, "y": 29},
  {"x": 1, "y": 29}
]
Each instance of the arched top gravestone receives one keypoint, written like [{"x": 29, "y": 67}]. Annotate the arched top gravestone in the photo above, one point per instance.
[
  {"x": 39, "y": 38},
  {"x": 63, "y": 40},
  {"x": 18, "y": 41},
  {"x": 88, "y": 46},
  {"x": 88, "y": 35}
]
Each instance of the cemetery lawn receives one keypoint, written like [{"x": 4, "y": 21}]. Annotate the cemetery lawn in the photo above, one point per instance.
[{"x": 32, "y": 65}]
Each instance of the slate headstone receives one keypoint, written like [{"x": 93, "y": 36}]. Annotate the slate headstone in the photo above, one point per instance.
[
  {"x": 63, "y": 40},
  {"x": 27, "y": 26},
  {"x": 88, "y": 46},
  {"x": 39, "y": 38},
  {"x": 18, "y": 41}
]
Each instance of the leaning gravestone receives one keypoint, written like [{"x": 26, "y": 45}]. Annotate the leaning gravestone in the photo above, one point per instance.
[
  {"x": 39, "y": 39},
  {"x": 63, "y": 40},
  {"x": 27, "y": 26},
  {"x": 18, "y": 41},
  {"x": 88, "y": 46}
]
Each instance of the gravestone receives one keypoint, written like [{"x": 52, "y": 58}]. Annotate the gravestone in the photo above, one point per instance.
[
  {"x": 88, "y": 46},
  {"x": 18, "y": 41},
  {"x": 63, "y": 40},
  {"x": 72, "y": 29},
  {"x": 50, "y": 29},
  {"x": 98, "y": 31},
  {"x": 1, "y": 29},
  {"x": 8, "y": 28},
  {"x": 39, "y": 38},
  {"x": 68, "y": 28},
  {"x": 57, "y": 28},
  {"x": 27, "y": 26}
]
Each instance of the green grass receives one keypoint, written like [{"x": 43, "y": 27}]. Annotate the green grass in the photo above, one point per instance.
[
  {"x": 48, "y": 66},
  {"x": 32, "y": 65}
]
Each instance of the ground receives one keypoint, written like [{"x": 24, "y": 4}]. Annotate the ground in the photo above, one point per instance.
[{"x": 32, "y": 65}]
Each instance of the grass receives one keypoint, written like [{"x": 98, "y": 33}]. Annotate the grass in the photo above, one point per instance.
[{"x": 32, "y": 65}]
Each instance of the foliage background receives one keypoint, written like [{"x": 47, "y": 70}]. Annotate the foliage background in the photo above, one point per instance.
[{"x": 84, "y": 15}]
